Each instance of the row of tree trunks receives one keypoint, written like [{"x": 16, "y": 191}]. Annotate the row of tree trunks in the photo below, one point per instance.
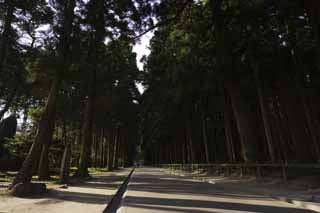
[
  {"x": 245, "y": 121},
  {"x": 46, "y": 125},
  {"x": 44, "y": 134},
  {"x": 262, "y": 124},
  {"x": 265, "y": 118}
]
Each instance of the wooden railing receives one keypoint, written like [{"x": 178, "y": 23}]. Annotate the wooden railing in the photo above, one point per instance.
[{"x": 259, "y": 169}]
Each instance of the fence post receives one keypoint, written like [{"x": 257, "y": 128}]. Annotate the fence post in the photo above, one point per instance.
[
  {"x": 258, "y": 170},
  {"x": 227, "y": 170},
  {"x": 241, "y": 171},
  {"x": 284, "y": 171}
]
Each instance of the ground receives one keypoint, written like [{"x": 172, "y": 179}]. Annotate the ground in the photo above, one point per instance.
[
  {"x": 91, "y": 196},
  {"x": 156, "y": 190}
]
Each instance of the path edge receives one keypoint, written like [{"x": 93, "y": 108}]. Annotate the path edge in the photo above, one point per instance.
[{"x": 115, "y": 204}]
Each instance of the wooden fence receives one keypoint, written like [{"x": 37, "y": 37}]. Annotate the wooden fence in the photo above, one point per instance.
[{"x": 259, "y": 169}]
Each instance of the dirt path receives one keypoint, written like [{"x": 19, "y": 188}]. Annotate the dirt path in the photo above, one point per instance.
[{"x": 89, "y": 197}]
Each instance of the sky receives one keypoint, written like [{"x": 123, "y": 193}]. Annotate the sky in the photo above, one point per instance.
[{"x": 141, "y": 48}]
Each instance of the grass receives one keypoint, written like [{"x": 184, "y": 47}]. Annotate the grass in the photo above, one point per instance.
[
  {"x": 93, "y": 170},
  {"x": 7, "y": 176}
]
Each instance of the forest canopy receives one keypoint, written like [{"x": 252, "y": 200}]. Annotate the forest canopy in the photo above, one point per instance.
[{"x": 226, "y": 81}]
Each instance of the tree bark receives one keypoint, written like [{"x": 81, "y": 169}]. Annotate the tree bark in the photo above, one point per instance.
[
  {"x": 43, "y": 170},
  {"x": 44, "y": 134},
  {"x": 296, "y": 123},
  {"x": 246, "y": 126},
  {"x": 110, "y": 150},
  {"x": 227, "y": 114},
  {"x": 265, "y": 118},
  {"x": 6, "y": 32},
  {"x": 46, "y": 124},
  {"x": 86, "y": 140},
  {"x": 116, "y": 149},
  {"x": 65, "y": 165},
  {"x": 313, "y": 8},
  {"x": 205, "y": 138},
  {"x": 311, "y": 119}
]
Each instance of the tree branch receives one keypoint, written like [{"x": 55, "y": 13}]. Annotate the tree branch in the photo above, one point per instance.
[{"x": 167, "y": 21}]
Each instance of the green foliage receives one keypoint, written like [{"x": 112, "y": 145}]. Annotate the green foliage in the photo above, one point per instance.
[{"x": 18, "y": 146}]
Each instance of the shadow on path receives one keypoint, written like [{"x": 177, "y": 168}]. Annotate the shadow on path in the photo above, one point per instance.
[
  {"x": 154, "y": 190},
  {"x": 186, "y": 204}
]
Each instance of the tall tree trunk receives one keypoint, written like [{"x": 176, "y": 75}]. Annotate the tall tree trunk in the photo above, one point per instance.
[
  {"x": 46, "y": 124},
  {"x": 116, "y": 149},
  {"x": 65, "y": 165},
  {"x": 265, "y": 118},
  {"x": 44, "y": 135},
  {"x": 102, "y": 151},
  {"x": 245, "y": 120},
  {"x": 296, "y": 122},
  {"x": 312, "y": 122},
  {"x": 316, "y": 119},
  {"x": 66, "y": 158},
  {"x": 43, "y": 170},
  {"x": 96, "y": 148},
  {"x": 110, "y": 150},
  {"x": 184, "y": 159},
  {"x": 313, "y": 8},
  {"x": 227, "y": 114},
  {"x": 6, "y": 32},
  {"x": 278, "y": 130},
  {"x": 189, "y": 139},
  {"x": 86, "y": 140},
  {"x": 106, "y": 148},
  {"x": 205, "y": 138}
]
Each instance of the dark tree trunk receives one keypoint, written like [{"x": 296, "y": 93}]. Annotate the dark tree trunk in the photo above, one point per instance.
[
  {"x": 230, "y": 141},
  {"x": 43, "y": 171},
  {"x": 313, "y": 8},
  {"x": 116, "y": 149},
  {"x": 110, "y": 150},
  {"x": 296, "y": 123},
  {"x": 65, "y": 165},
  {"x": 205, "y": 138},
  {"x": 315, "y": 119},
  {"x": 66, "y": 158},
  {"x": 96, "y": 148},
  {"x": 311, "y": 119},
  {"x": 189, "y": 139},
  {"x": 86, "y": 140},
  {"x": 44, "y": 135},
  {"x": 245, "y": 120},
  {"x": 6, "y": 32},
  {"x": 46, "y": 124},
  {"x": 265, "y": 118}
]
